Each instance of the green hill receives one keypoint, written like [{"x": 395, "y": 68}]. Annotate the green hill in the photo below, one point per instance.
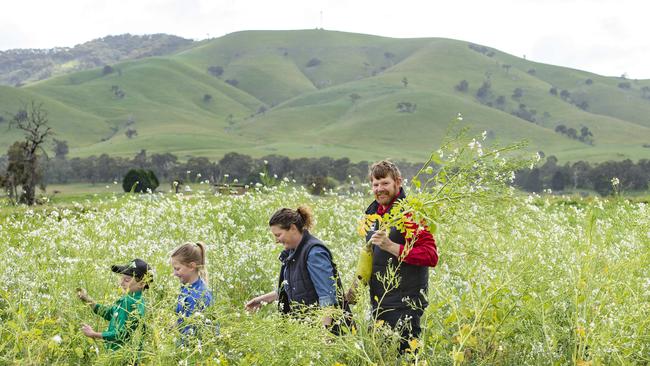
[{"x": 317, "y": 93}]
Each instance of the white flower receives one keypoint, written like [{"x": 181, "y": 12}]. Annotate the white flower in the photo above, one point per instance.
[
  {"x": 615, "y": 182},
  {"x": 226, "y": 175},
  {"x": 198, "y": 175},
  {"x": 266, "y": 162},
  {"x": 459, "y": 117},
  {"x": 57, "y": 339},
  {"x": 262, "y": 174}
]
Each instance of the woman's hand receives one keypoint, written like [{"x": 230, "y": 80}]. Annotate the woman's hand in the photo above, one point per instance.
[{"x": 256, "y": 303}]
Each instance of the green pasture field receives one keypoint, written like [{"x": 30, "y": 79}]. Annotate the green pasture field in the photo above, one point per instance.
[
  {"x": 281, "y": 105},
  {"x": 530, "y": 281}
]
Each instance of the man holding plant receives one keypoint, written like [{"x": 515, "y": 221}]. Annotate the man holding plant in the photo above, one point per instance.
[{"x": 400, "y": 258}]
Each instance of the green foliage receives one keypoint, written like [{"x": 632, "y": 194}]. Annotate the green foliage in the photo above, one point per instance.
[
  {"x": 140, "y": 181},
  {"x": 462, "y": 86},
  {"x": 313, "y": 62}
]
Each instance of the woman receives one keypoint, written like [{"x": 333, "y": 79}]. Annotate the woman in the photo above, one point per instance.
[{"x": 307, "y": 275}]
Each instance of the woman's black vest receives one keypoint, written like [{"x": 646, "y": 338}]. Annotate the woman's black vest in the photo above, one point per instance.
[
  {"x": 300, "y": 288},
  {"x": 413, "y": 280}
]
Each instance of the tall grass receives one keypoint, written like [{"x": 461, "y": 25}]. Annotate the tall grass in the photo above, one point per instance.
[{"x": 534, "y": 280}]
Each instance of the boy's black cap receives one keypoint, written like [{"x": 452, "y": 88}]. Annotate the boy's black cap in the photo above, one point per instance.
[{"x": 136, "y": 268}]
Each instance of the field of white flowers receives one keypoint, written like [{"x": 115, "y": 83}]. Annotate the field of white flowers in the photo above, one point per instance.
[{"x": 531, "y": 281}]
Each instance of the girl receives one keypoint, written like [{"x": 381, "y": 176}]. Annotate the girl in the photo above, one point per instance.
[{"x": 188, "y": 262}]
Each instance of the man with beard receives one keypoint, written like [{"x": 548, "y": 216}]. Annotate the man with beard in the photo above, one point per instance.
[{"x": 399, "y": 306}]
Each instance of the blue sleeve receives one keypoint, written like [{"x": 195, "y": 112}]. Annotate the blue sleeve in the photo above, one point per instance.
[
  {"x": 319, "y": 265},
  {"x": 186, "y": 303}
]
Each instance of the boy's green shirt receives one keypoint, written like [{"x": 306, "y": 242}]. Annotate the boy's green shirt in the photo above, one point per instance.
[{"x": 124, "y": 317}]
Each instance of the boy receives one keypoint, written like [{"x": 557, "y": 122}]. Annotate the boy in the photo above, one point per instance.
[{"x": 124, "y": 316}]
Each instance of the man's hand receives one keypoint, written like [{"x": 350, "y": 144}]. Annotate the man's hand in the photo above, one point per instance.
[
  {"x": 351, "y": 295},
  {"x": 380, "y": 239}
]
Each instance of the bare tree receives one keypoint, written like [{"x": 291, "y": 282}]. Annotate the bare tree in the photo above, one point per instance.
[{"x": 32, "y": 120}]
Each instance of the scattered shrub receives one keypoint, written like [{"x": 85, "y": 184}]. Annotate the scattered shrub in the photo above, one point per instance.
[{"x": 140, "y": 180}]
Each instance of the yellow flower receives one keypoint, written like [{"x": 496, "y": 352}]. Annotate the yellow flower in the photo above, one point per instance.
[{"x": 413, "y": 344}]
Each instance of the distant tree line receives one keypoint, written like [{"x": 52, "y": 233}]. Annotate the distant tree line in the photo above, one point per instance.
[
  {"x": 315, "y": 173},
  {"x": 319, "y": 173},
  {"x": 585, "y": 176}
]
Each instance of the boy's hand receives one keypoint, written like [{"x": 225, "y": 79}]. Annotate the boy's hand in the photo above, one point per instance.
[
  {"x": 89, "y": 332},
  {"x": 83, "y": 295}
]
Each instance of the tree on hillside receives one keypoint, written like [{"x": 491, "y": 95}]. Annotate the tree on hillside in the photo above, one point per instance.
[
  {"x": 564, "y": 94},
  {"x": 553, "y": 90},
  {"x": 517, "y": 93},
  {"x": 572, "y": 133},
  {"x": 354, "y": 97},
  {"x": 313, "y": 62},
  {"x": 501, "y": 101},
  {"x": 131, "y": 132},
  {"x": 645, "y": 93},
  {"x": 484, "y": 91},
  {"x": 107, "y": 70},
  {"x": 32, "y": 120},
  {"x": 584, "y": 105},
  {"x": 215, "y": 71},
  {"x": 405, "y": 81},
  {"x": 625, "y": 85},
  {"x": 586, "y": 136},
  {"x": 462, "y": 86},
  {"x": 406, "y": 107},
  {"x": 60, "y": 149}
]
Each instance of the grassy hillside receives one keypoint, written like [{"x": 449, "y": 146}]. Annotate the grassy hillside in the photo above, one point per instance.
[{"x": 316, "y": 93}]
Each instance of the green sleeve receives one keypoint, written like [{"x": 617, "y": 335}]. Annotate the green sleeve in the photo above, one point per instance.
[
  {"x": 123, "y": 323},
  {"x": 104, "y": 311}
]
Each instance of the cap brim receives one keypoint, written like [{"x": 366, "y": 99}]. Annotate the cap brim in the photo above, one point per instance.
[{"x": 122, "y": 269}]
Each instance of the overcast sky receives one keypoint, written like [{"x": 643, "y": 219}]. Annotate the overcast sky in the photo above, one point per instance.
[{"x": 607, "y": 37}]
